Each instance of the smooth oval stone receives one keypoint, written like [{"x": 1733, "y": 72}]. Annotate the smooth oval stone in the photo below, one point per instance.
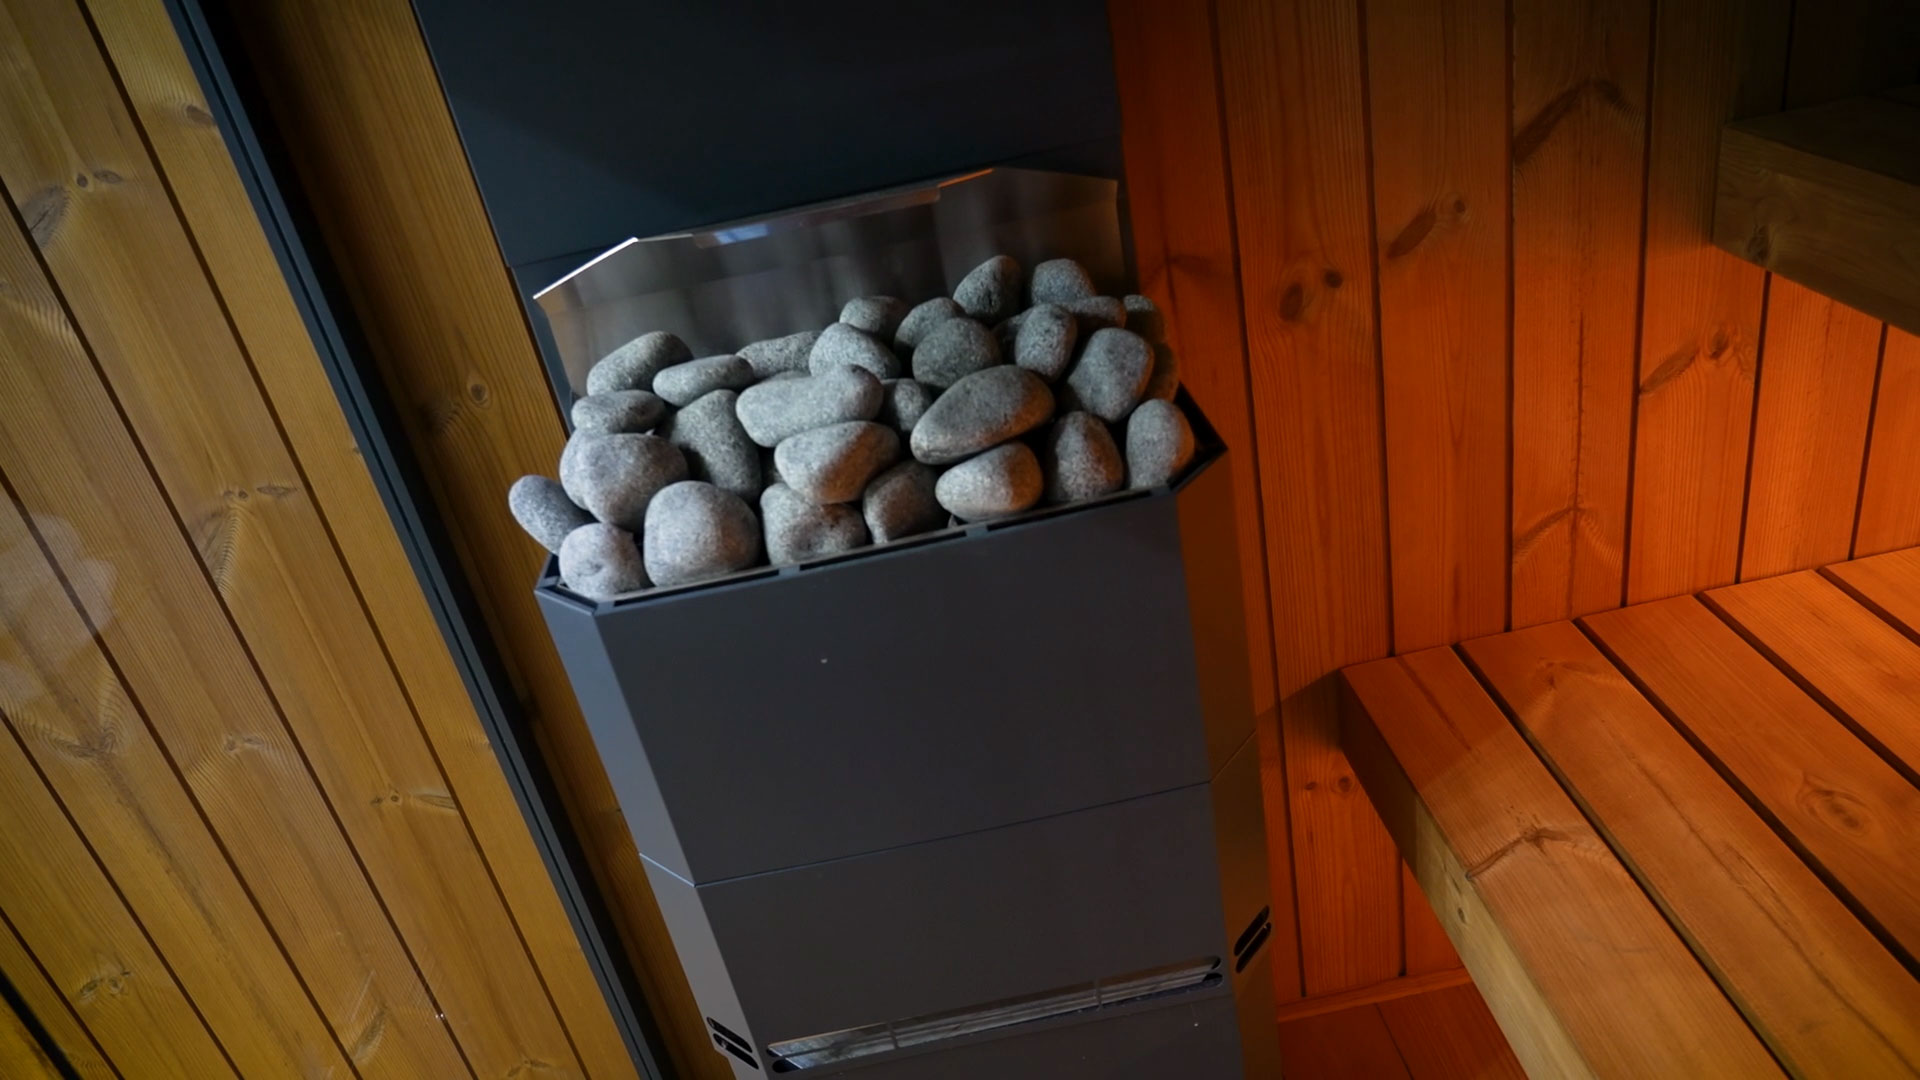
[
  {"x": 833, "y": 464},
  {"x": 1043, "y": 342},
  {"x": 696, "y": 531},
  {"x": 716, "y": 447},
  {"x": 1096, "y": 313},
  {"x": 774, "y": 355},
  {"x": 1111, "y": 374},
  {"x": 779, "y": 409},
  {"x": 1057, "y": 281},
  {"x": 799, "y": 529},
  {"x": 954, "y": 350},
  {"x": 1159, "y": 443},
  {"x": 1165, "y": 379},
  {"x": 1004, "y": 480},
  {"x": 1007, "y": 332},
  {"x": 899, "y": 502},
  {"x": 615, "y": 476},
  {"x": 1079, "y": 459},
  {"x": 905, "y": 403},
  {"x": 991, "y": 291},
  {"x": 1144, "y": 317},
  {"x": 984, "y": 409},
  {"x": 842, "y": 346},
  {"x": 600, "y": 562},
  {"x": 800, "y": 373},
  {"x": 542, "y": 508},
  {"x": 683, "y": 384},
  {"x": 619, "y": 412},
  {"x": 877, "y": 315},
  {"x": 632, "y": 366},
  {"x": 921, "y": 321}
]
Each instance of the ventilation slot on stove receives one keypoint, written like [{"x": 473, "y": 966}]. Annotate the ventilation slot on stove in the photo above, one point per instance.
[
  {"x": 1250, "y": 940},
  {"x": 834, "y": 1047},
  {"x": 725, "y": 1039}
]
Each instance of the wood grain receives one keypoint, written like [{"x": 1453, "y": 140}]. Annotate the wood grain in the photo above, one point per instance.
[
  {"x": 1825, "y": 995},
  {"x": 1291, "y": 73},
  {"x": 1428, "y": 949},
  {"x": 1174, "y": 143},
  {"x": 52, "y": 1009},
  {"x": 1578, "y": 155},
  {"x": 1568, "y": 950},
  {"x": 1887, "y": 584},
  {"x": 1809, "y": 432},
  {"x": 1404, "y": 986},
  {"x": 1855, "y": 663},
  {"x": 166, "y": 98},
  {"x": 1439, "y": 131},
  {"x": 1845, "y": 809},
  {"x": 1889, "y": 511},
  {"x": 21, "y": 1056},
  {"x": 1353, "y": 1044},
  {"x": 1450, "y": 1035},
  {"x": 382, "y": 167},
  {"x": 1700, "y": 328}
]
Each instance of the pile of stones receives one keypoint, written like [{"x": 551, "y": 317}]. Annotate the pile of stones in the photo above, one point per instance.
[{"x": 1017, "y": 391}]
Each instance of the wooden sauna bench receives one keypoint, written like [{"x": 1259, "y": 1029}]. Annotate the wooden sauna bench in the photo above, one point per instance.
[{"x": 1678, "y": 839}]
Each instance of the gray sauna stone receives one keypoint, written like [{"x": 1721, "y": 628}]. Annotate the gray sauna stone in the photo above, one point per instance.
[
  {"x": 1111, "y": 375},
  {"x": 601, "y": 561},
  {"x": 877, "y": 315},
  {"x": 619, "y": 412},
  {"x": 1166, "y": 373},
  {"x": 1159, "y": 443},
  {"x": 991, "y": 291},
  {"x": 1043, "y": 340},
  {"x": 1004, "y": 480},
  {"x": 781, "y": 408},
  {"x": 682, "y": 384},
  {"x": 1079, "y": 459},
  {"x": 921, "y": 321},
  {"x": 779, "y": 354},
  {"x": 1144, "y": 317},
  {"x": 632, "y": 366},
  {"x": 982, "y": 410},
  {"x": 798, "y": 529},
  {"x": 833, "y": 464},
  {"x": 842, "y": 346},
  {"x": 542, "y": 508},
  {"x": 900, "y": 503},
  {"x": 1097, "y": 313},
  {"x": 955, "y": 349},
  {"x": 614, "y": 476},
  {"x": 716, "y": 447},
  {"x": 906, "y": 401},
  {"x": 1057, "y": 281},
  {"x": 696, "y": 531}
]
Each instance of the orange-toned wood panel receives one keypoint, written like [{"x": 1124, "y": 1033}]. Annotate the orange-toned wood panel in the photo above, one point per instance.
[
  {"x": 381, "y": 163},
  {"x": 1579, "y": 155},
  {"x": 1437, "y": 72},
  {"x": 1295, "y": 90},
  {"x": 1448, "y": 1034},
  {"x": 1184, "y": 251},
  {"x": 1889, "y": 516}
]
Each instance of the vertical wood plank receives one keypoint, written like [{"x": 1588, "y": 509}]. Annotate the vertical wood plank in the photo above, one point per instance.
[
  {"x": 1296, "y": 140},
  {"x": 1713, "y": 60},
  {"x": 1438, "y": 72},
  {"x": 383, "y": 169},
  {"x": 1890, "y": 493},
  {"x": 1578, "y": 153},
  {"x": 1171, "y": 127},
  {"x": 1809, "y": 432},
  {"x": 89, "y": 741},
  {"x": 52, "y": 1009},
  {"x": 1428, "y": 949},
  {"x": 166, "y": 98}
]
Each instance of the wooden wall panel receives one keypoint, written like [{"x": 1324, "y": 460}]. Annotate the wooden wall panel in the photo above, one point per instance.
[
  {"x": 1294, "y": 85},
  {"x": 51, "y": 1008},
  {"x": 1579, "y": 157},
  {"x": 1889, "y": 506},
  {"x": 1439, "y": 124}
]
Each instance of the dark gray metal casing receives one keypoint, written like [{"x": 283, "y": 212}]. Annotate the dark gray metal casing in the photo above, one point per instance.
[{"x": 996, "y": 761}]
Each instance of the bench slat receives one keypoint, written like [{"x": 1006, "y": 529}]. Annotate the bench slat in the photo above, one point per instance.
[
  {"x": 1889, "y": 584},
  {"x": 1835, "y": 799},
  {"x": 1828, "y": 998},
  {"x": 1573, "y": 953}
]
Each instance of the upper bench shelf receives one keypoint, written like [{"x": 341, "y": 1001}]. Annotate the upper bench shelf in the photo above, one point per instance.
[{"x": 1829, "y": 196}]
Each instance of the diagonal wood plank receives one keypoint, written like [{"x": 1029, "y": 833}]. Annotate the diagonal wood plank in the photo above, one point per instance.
[
  {"x": 52, "y": 1009},
  {"x": 1844, "y": 808},
  {"x": 1825, "y": 995},
  {"x": 1558, "y": 935},
  {"x": 1449, "y": 1035},
  {"x": 1854, "y": 662},
  {"x": 1887, "y": 584},
  {"x": 1296, "y": 137}
]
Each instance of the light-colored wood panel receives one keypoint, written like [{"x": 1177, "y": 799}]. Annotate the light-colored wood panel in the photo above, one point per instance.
[
  {"x": 1353, "y": 1044},
  {"x": 1853, "y": 661},
  {"x": 1826, "y": 996},
  {"x": 382, "y": 167},
  {"x": 89, "y": 740},
  {"x": 1568, "y": 950},
  {"x": 1700, "y": 327},
  {"x": 65, "y": 910},
  {"x": 1809, "y": 432},
  {"x": 1450, "y": 1035},
  {"x": 1578, "y": 152},
  {"x": 1183, "y": 242},
  {"x": 1439, "y": 132},
  {"x": 21, "y": 1056},
  {"x": 1888, "y": 584},
  {"x": 137, "y": 290},
  {"x": 166, "y": 97},
  {"x": 1830, "y": 795},
  {"x": 52, "y": 1009},
  {"x": 1294, "y": 84},
  {"x": 68, "y": 457},
  {"x": 1890, "y": 493}
]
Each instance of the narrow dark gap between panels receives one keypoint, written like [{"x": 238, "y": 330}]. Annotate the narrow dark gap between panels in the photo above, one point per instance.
[
  {"x": 1639, "y": 305},
  {"x": 1866, "y": 451},
  {"x": 1755, "y": 804},
  {"x": 1379, "y": 343},
  {"x": 1912, "y": 633},
  {"x": 1572, "y": 522},
  {"x": 46, "y": 977},
  {"x": 1753, "y": 430}
]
